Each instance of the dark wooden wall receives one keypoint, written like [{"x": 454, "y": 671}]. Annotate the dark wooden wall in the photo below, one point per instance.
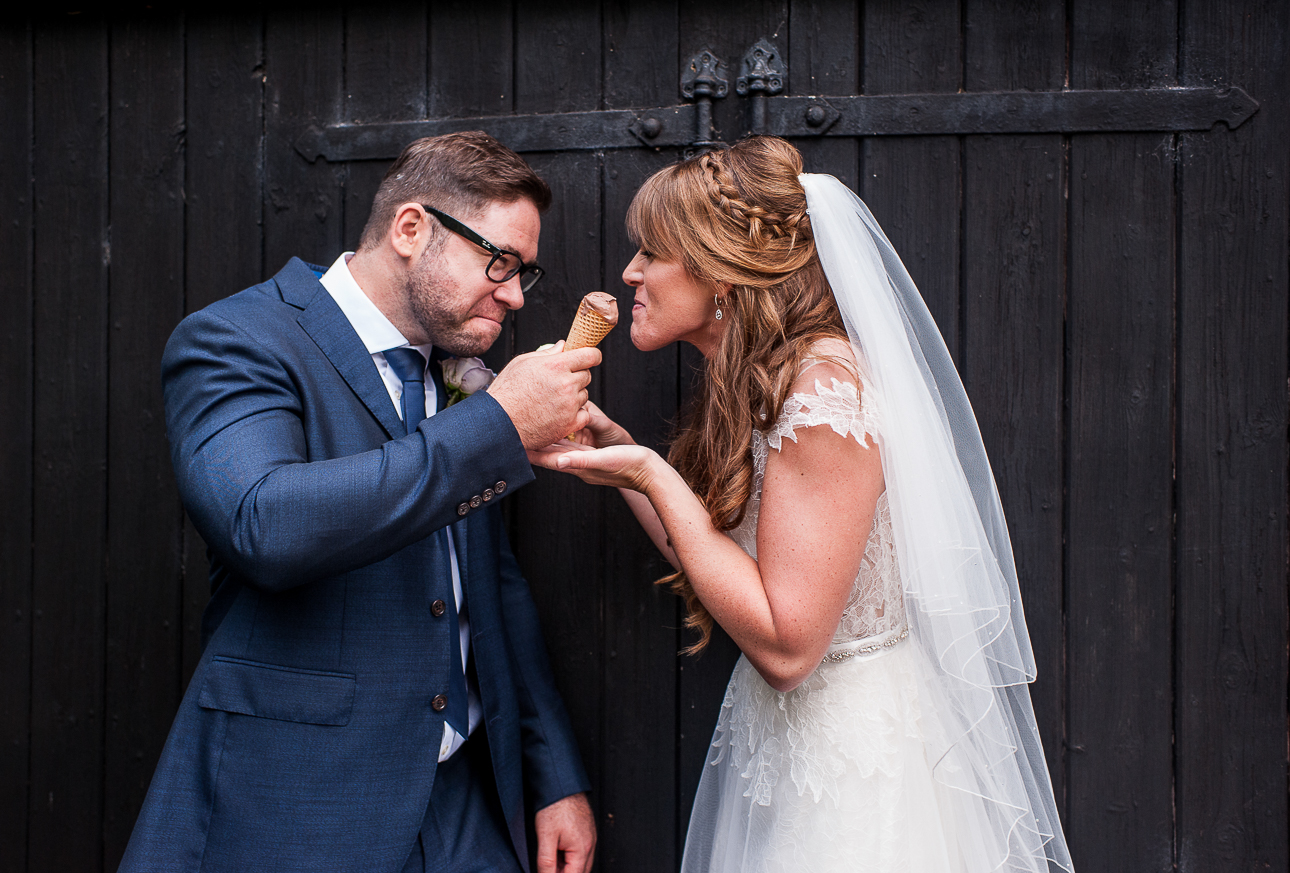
[{"x": 1117, "y": 304}]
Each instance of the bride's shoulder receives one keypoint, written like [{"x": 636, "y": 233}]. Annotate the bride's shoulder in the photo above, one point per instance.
[
  {"x": 830, "y": 360},
  {"x": 827, "y": 391}
]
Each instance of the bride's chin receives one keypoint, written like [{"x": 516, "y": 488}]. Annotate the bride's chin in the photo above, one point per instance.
[{"x": 644, "y": 342}]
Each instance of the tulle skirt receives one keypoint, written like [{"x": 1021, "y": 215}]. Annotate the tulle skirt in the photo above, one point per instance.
[{"x": 830, "y": 776}]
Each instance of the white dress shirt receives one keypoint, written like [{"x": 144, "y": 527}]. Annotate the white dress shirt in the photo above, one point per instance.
[{"x": 377, "y": 335}]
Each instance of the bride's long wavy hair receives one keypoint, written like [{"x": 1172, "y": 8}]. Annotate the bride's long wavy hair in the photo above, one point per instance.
[{"x": 737, "y": 216}]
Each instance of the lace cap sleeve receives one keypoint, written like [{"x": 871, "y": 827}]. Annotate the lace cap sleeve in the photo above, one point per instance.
[{"x": 841, "y": 406}]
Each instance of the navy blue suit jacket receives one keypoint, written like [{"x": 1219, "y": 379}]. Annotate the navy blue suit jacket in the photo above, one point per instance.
[{"x": 307, "y": 740}]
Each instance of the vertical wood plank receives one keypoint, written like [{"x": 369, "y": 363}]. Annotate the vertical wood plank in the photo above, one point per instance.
[
  {"x": 385, "y": 80},
  {"x": 729, "y": 29},
  {"x": 1121, "y": 497},
  {"x": 72, "y": 250},
  {"x": 824, "y": 58},
  {"x": 144, "y": 523},
  {"x": 224, "y": 94},
  {"x": 559, "y": 531},
  {"x": 16, "y": 398},
  {"x": 1013, "y": 357},
  {"x": 1231, "y": 558},
  {"x": 472, "y": 73},
  {"x": 303, "y": 55},
  {"x": 472, "y": 59},
  {"x": 638, "y": 794},
  {"x": 224, "y": 226},
  {"x": 913, "y": 184}
]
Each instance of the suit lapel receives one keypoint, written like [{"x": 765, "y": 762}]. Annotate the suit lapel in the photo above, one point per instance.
[{"x": 323, "y": 320}]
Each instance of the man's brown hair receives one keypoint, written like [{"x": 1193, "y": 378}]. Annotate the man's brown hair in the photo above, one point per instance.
[{"x": 457, "y": 173}]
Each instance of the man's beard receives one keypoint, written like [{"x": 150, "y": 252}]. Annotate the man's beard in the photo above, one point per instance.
[{"x": 429, "y": 298}]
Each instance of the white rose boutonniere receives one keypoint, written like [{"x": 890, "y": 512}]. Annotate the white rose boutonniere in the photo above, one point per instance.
[{"x": 462, "y": 377}]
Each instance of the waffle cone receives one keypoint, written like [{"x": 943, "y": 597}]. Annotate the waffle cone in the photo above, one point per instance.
[{"x": 588, "y": 329}]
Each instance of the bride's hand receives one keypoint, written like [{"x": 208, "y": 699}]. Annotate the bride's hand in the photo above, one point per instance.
[
  {"x": 602, "y": 431},
  {"x": 621, "y": 466}
]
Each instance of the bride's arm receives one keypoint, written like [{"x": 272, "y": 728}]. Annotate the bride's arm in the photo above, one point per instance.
[{"x": 817, "y": 506}]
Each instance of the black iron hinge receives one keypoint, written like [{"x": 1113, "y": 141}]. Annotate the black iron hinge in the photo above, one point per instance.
[{"x": 761, "y": 79}]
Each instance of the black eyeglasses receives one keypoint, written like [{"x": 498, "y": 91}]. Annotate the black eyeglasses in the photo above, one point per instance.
[{"x": 504, "y": 265}]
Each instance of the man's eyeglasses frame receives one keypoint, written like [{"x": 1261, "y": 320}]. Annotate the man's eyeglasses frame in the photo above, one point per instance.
[{"x": 528, "y": 273}]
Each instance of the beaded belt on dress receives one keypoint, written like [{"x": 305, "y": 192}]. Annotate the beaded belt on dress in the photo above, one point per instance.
[{"x": 869, "y": 648}]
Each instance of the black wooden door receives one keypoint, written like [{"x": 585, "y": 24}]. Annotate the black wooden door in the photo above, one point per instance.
[{"x": 1111, "y": 277}]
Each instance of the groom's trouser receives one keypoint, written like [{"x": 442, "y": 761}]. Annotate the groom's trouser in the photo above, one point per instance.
[{"x": 464, "y": 830}]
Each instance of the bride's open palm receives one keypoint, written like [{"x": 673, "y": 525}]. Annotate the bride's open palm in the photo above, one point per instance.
[
  {"x": 621, "y": 466},
  {"x": 602, "y": 453}
]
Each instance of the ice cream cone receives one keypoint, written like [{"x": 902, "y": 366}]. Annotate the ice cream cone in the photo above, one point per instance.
[
  {"x": 588, "y": 329},
  {"x": 597, "y": 314}
]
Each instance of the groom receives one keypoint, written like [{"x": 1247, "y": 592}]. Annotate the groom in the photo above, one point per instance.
[{"x": 374, "y": 692}]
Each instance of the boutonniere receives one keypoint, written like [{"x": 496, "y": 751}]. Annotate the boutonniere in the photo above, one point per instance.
[{"x": 462, "y": 377}]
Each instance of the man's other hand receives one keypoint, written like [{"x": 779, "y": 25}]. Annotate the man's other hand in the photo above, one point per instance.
[
  {"x": 544, "y": 393},
  {"x": 566, "y": 834}
]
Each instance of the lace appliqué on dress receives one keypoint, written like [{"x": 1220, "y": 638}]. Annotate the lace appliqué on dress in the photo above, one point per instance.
[
  {"x": 806, "y": 738},
  {"x": 839, "y": 407}
]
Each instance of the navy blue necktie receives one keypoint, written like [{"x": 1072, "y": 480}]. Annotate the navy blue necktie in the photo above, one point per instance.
[{"x": 409, "y": 366}]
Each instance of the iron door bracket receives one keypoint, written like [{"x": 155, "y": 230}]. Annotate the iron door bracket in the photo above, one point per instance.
[
  {"x": 704, "y": 80},
  {"x": 1148, "y": 109},
  {"x": 762, "y": 74},
  {"x": 545, "y": 132}
]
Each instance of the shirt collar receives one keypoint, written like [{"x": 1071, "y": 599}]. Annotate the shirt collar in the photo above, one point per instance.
[{"x": 373, "y": 328}]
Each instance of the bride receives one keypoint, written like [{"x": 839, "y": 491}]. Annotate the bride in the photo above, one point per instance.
[{"x": 828, "y": 502}]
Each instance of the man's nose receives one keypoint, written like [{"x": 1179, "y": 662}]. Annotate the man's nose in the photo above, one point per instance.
[{"x": 509, "y": 293}]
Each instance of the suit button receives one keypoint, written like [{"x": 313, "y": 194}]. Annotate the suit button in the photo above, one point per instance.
[
  {"x": 463, "y": 509},
  {"x": 499, "y": 488},
  {"x": 488, "y": 494},
  {"x": 438, "y": 608},
  {"x": 440, "y": 703},
  {"x": 476, "y": 502}
]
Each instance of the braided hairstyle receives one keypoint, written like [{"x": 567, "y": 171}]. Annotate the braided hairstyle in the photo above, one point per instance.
[{"x": 738, "y": 216}]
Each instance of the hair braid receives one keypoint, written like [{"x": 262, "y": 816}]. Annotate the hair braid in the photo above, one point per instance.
[{"x": 725, "y": 192}]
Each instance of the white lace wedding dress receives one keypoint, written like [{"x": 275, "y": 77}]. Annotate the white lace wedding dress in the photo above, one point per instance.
[{"x": 832, "y": 775}]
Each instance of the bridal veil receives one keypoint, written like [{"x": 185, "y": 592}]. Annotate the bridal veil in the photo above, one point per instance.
[{"x": 961, "y": 593}]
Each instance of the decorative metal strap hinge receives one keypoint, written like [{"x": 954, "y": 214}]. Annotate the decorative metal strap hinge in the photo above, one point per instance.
[
  {"x": 1147, "y": 109},
  {"x": 762, "y": 73}
]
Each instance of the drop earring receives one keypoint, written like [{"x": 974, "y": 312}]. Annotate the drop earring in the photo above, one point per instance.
[{"x": 718, "y": 302}]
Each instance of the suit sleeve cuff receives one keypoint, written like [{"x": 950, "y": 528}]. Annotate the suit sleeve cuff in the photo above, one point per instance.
[{"x": 483, "y": 435}]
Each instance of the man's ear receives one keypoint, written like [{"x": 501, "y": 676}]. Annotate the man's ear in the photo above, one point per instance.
[{"x": 409, "y": 231}]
